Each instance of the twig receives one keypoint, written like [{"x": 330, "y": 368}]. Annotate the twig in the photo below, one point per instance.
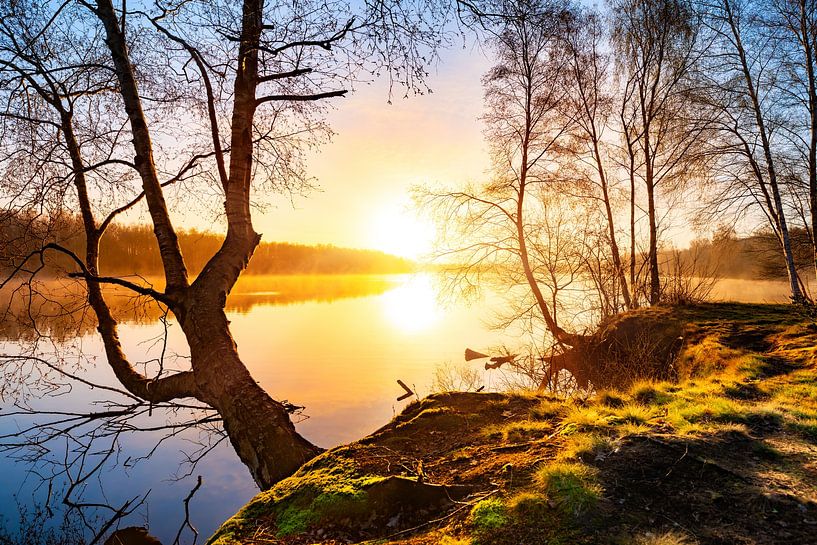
[{"x": 186, "y": 522}]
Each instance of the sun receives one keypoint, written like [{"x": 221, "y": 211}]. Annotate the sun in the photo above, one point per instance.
[{"x": 398, "y": 230}]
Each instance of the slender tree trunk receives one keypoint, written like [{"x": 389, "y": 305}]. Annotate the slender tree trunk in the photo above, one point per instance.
[
  {"x": 649, "y": 179},
  {"x": 655, "y": 279},
  {"x": 156, "y": 390},
  {"x": 634, "y": 294},
  {"x": 550, "y": 321},
  {"x": 791, "y": 270},
  {"x": 588, "y": 90},
  {"x": 631, "y": 173},
  {"x": 171, "y": 255},
  {"x": 806, "y": 32},
  {"x": 614, "y": 251}
]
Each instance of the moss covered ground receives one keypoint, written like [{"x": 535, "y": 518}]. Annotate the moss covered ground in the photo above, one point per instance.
[{"x": 727, "y": 454}]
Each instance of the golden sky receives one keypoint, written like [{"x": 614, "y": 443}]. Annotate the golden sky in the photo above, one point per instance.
[{"x": 380, "y": 151}]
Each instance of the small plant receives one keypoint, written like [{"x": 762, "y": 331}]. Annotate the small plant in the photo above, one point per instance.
[
  {"x": 648, "y": 393},
  {"x": 547, "y": 409},
  {"x": 526, "y": 503},
  {"x": 518, "y": 431},
  {"x": 609, "y": 399},
  {"x": 580, "y": 418},
  {"x": 634, "y": 414}
]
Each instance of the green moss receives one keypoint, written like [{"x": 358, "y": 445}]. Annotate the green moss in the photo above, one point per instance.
[
  {"x": 299, "y": 517},
  {"x": 525, "y": 517},
  {"x": 294, "y": 520},
  {"x": 326, "y": 488}
]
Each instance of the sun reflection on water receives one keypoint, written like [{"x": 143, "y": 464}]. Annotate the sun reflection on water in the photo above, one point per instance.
[{"x": 412, "y": 307}]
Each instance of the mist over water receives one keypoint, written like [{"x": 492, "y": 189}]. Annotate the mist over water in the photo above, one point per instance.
[{"x": 754, "y": 291}]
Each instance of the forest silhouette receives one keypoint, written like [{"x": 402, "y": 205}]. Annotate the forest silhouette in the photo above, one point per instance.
[{"x": 128, "y": 249}]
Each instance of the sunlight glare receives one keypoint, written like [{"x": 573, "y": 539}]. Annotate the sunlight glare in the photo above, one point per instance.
[
  {"x": 413, "y": 306},
  {"x": 398, "y": 230}
]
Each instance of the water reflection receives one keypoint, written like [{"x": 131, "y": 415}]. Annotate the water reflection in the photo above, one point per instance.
[
  {"x": 414, "y": 305},
  {"x": 58, "y": 309},
  {"x": 334, "y": 344}
]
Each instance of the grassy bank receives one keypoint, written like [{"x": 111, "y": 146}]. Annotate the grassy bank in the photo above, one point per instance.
[{"x": 727, "y": 454}]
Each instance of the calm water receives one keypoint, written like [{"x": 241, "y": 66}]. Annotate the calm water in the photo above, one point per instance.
[{"x": 335, "y": 345}]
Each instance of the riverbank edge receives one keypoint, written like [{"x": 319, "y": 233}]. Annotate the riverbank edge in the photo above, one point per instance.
[{"x": 724, "y": 455}]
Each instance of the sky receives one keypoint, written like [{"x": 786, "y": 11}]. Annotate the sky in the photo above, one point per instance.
[{"x": 379, "y": 152}]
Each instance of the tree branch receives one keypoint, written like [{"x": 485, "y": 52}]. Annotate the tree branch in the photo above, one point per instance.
[{"x": 301, "y": 98}]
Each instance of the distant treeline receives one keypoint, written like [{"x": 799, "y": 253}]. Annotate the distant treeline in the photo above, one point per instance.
[
  {"x": 755, "y": 256},
  {"x": 132, "y": 249}
]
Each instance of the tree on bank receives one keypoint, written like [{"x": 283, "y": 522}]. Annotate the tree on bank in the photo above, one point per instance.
[
  {"x": 739, "y": 82},
  {"x": 516, "y": 226},
  {"x": 593, "y": 100},
  {"x": 655, "y": 49},
  {"x": 105, "y": 106}
]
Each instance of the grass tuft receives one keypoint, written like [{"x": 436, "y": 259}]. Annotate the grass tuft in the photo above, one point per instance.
[
  {"x": 634, "y": 414},
  {"x": 489, "y": 514},
  {"x": 648, "y": 393},
  {"x": 579, "y": 418},
  {"x": 584, "y": 447},
  {"x": 609, "y": 398},
  {"x": 515, "y": 432},
  {"x": 572, "y": 487},
  {"x": 667, "y": 538},
  {"x": 547, "y": 409}
]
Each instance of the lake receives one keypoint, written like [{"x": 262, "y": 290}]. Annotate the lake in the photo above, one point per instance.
[{"x": 333, "y": 344}]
